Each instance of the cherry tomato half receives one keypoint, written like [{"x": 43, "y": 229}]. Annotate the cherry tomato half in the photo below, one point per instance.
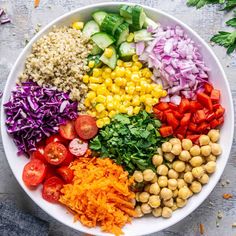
[
  {"x": 38, "y": 154},
  {"x": 55, "y": 153},
  {"x": 66, "y": 173},
  {"x": 68, "y": 160},
  {"x": 51, "y": 189},
  {"x": 86, "y": 127},
  {"x": 78, "y": 147},
  {"x": 56, "y": 138},
  {"x": 34, "y": 173},
  {"x": 67, "y": 131}
]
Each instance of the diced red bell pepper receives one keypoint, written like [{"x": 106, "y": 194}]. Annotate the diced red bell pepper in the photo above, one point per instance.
[
  {"x": 215, "y": 95},
  {"x": 210, "y": 116},
  {"x": 216, "y": 106},
  {"x": 181, "y": 130},
  {"x": 219, "y": 112},
  {"x": 208, "y": 88},
  {"x": 159, "y": 114},
  {"x": 172, "y": 106},
  {"x": 184, "y": 105},
  {"x": 193, "y": 137},
  {"x": 177, "y": 114},
  {"x": 171, "y": 120},
  {"x": 194, "y": 106},
  {"x": 192, "y": 126},
  {"x": 162, "y": 106},
  {"x": 214, "y": 123},
  {"x": 205, "y": 100},
  {"x": 185, "y": 120},
  {"x": 166, "y": 131},
  {"x": 221, "y": 120},
  {"x": 200, "y": 116},
  {"x": 203, "y": 126},
  {"x": 180, "y": 136}
]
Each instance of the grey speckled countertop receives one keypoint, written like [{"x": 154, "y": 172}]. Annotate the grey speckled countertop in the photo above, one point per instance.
[{"x": 205, "y": 21}]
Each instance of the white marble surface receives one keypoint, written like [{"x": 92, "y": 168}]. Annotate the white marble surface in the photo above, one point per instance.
[{"x": 205, "y": 21}]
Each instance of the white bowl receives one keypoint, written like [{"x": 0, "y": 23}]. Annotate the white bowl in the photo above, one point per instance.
[{"x": 147, "y": 224}]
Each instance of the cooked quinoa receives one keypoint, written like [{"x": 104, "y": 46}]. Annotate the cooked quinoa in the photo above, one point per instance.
[{"x": 59, "y": 59}]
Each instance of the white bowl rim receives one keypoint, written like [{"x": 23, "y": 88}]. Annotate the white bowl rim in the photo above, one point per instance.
[{"x": 105, "y": 4}]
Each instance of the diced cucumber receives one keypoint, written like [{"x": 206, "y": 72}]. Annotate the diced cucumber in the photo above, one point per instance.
[
  {"x": 96, "y": 50},
  {"x": 138, "y": 17},
  {"x": 151, "y": 23},
  {"x": 126, "y": 11},
  {"x": 111, "y": 62},
  {"x": 142, "y": 35},
  {"x": 99, "y": 16},
  {"x": 96, "y": 59},
  {"x": 129, "y": 21},
  {"x": 126, "y": 51},
  {"x": 90, "y": 28},
  {"x": 122, "y": 32},
  {"x": 102, "y": 40},
  {"x": 111, "y": 23}
]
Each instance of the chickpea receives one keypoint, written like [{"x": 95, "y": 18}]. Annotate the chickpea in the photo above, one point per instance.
[
  {"x": 187, "y": 144},
  {"x": 196, "y": 187},
  {"x": 195, "y": 150},
  {"x": 176, "y": 149},
  {"x": 138, "y": 212},
  {"x": 154, "y": 201},
  {"x": 154, "y": 189},
  {"x": 174, "y": 141},
  {"x": 145, "y": 208},
  {"x": 175, "y": 193},
  {"x": 214, "y": 135},
  {"x": 143, "y": 197},
  {"x": 166, "y": 194},
  {"x": 211, "y": 158},
  {"x": 169, "y": 156},
  {"x": 204, "y": 140},
  {"x": 157, "y": 212},
  {"x": 162, "y": 181},
  {"x": 184, "y": 155},
  {"x": 188, "y": 177},
  {"x": 179, "y": 166},
  {"x": 172, "y": 174},
  {"x": 137, "y": 196},
  {"x": 188, "y": 168},
  {"x": 148, "y": 175},
  {"x": 181, "y": 183},
  {"x": 168, "y": 203},
  {"x": 138, "y": 176},
  {"x": 154, "y": 180},
  {"x": 181, "y": 175},
  {"x": 181, "y": 202},
  {"x": 147, "y": 188},
  {"x": 196, "y": 161},
  {"x": 166, "y": 147},
  {"x": 210, "y": 167},
  {"x": 216, "y": 149},
  {"x": 166, "y": 212},
  {"x": 162, "y": 170},
  {"x": 190, "y": 193},
  {"x": 157, "y": 160},
  {"x": 204, "y": 179},
  {"x": 172, "y": 184},
  {"x": 206, "y": 150},
  {"x": 159, "y": 151},
  {"x": 183, "y": 192},
  {"x": 174, "y": 207},
  {"x": 198, "y": 172}
]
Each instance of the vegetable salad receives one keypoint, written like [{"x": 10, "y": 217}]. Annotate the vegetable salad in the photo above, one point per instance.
[{"x": 131, "y": 131}]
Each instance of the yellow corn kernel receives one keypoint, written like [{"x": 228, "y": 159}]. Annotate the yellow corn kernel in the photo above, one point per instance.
[
  {"x": 100, "y": 123},
  {"x": 148, "y": 88},
  {"x": 157, "y": 86},
  {"x": 113, "y": 74},
  {"x": 108, "y": 82},
  {"x": 103, "y": 114},
  {"x": 94, "y": 80},
  {"x": 97, "y": 72},
  {"x": 100, "y": 107},
  {"x": 138, "y": 88},
  {"x": 109, "y": 99},
  {"x": 130, "y": 83},
  {"x": 93, "y": 86},
  {"x": 142, "y": 98},
  {"x": 115, "y": 88},
  {"x": 106, "y": 120},
  {"x": 130, "y": 89},
  {"x": 136, "y": 110},
  {"x": 148, "y": 109},
  {"x": 108, "y": 52},
  {"x": 78, "y": 25},
  {"x": 134, "y": 68},
  {"x": 119, "y": 81},
  {"x": 128, "y": 64},
  {"x": 91, "y": 95},
  {"x": 87, "y": 102},
  {"x": 130, "y": 110},
  {"x": 85, "y": 79},
  {"x": 102, "y": 91},
  {"x": 122, "y": 109},
  {"x": 112, "y": 113},
  {"x": 135, "y": 76},
  {"x": 120, "y": 63},
  {"x": 126, "y": 103},
  {"x": 164, "y": 93},
  {"x": 128, "y": 74},
  {"x": 120, "y": 72},
  {"x": 136, "y": 100},
  {"x": 149, "y": 102},
  {"x": 91, "y": 64},
  {"x": 130, "y": 38},
  {"x": 110, "y": 106},
  {"x": 117, "y": 98},
  {"x": 105, "y": 75},
  {"x": 138, "y": 64},
  {"x": 157, "y": 93},
  {"x": 135, "y": 57},
  {"x": 101, "y": 99},
  {"x": 92, "y": 113},
  {"x": 127, "y": 97},
  {"x": 108, "y": 70}
]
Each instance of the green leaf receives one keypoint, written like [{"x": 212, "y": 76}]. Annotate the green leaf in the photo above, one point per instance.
[
  {"x": 122, "y": 118},
  {"x": 201, "y": 3},
  {"x": 95, "y": 144},
  {"x": 231, "y": 22},
  {"x": 230, "y": 4}
]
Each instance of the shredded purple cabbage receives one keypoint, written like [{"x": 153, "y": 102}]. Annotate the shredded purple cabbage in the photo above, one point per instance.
[{"x": 34, "y": 113}]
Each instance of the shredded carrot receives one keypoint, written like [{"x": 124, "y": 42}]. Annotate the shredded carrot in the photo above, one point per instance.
[
  {"x": 36, "y": 3},
  {"x": 227, "y": 195},
  {"x": 99, "y": 194},
  {"x": 201, "y": 229}
]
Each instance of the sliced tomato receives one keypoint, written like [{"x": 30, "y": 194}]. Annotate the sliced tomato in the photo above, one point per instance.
[
  {"x": 194, "y": 106},
  {"x": 56, "y": 138},
  {"x": 172, "y": 106},
  {"x": 68, "y": 160},
  {"x": 216, "y": 106},
  {"x": 67, "y": 131},
  {"x": 219, "y": 112},
  {"x": 215, "y": 95},
  {"x": 185, "y": 120},
  {"x": 50, "y": 172},
  {"x": 34, "y": 173},
  {"x": 208, "y": 88},
  {"x": 177, "y": 114},
  {"x": 171, "y": 120},
  {"x": 200, "y": 116},
  {"x": 210, "y": 116},
  {"x": 184, "y": 105},
  {"x": 52, "y": 189},
  {"x": 193, "y": 137},
  {"x": 38, "y": 154},
  {"x": 180, "y": 136},
  {"x": 86, "y": 127},
  {"x": 220, "y": 120},
  {"x": 162, "y": 106},
  {"x": 181, "y": 130},
  {"x": 203, "y": 126},
  {"x": 78, "y": 147},
  {"x": 159, "y": 114},
  {"x": 55, "y": 153},
  {"x": 205, "y": 100},
  {"x": 66, "y": 173},
  {"x": 166, "y": 131},
  {"x": 214, "y": 123},
  {"x": 192, "y": 126}
]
